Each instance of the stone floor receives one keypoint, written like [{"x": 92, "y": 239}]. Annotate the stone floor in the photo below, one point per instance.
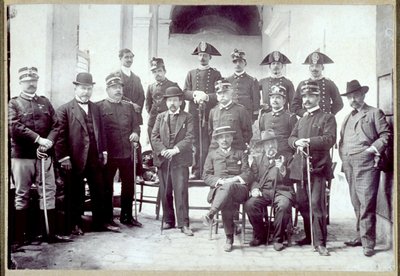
[{"x": 146, "y": 249}]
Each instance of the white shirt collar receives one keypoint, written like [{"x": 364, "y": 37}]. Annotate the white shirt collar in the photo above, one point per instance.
[
  {"x": 318, "y": 78},
  {"x": 221, "y": 106},
  {"x": 315, "y": 108},
  {"x": 112, "y": 100},
  {"x": 276, "y": 111},
  {"x": 226, "y": 151},
  {"x": 276, "y": 76},
  {"x": 28, "y": 96},
  {"x": 126, "y": 70},
  {"x": 241, "y": 73},
  {"x": 201, "y": 67},
  {"x": 174, "y": 113}
]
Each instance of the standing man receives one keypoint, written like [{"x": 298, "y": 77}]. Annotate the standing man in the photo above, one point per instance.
[
  {"x": 245, "y": 87},
  {"x": 276, "y": 60},
  {"x": 228, "y": 174},
  {"x": 172, "y": 139},
  {"x": 314, "y": 134},
  {"x": 155, "y": 101},
  {"x": 81, "y": 151},
  {"x": 330, "y": 102},
  {"x": 270, "y": 188},
  {"x": 199, "y": 91},
  {"x": 121, "y": 124},
  {"x": 229, "y": 113},
  {"x": 364, "y": 137},
  {"x": 33, "y": 130}
]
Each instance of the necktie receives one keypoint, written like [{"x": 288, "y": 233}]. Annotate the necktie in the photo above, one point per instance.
[{"x": 354, "y": 112}]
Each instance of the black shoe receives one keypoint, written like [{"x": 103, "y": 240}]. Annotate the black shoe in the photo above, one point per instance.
[
  {"x": 167, "y": 226},
  {"x": 304, "y": 241},
  {"x": 131, "y": 222},
  {"x": 322, "y": 250},
  {"x": 368, "y": 251},
  {"x": 187, "y": 231},
  {"x": 58, "y": 238},
  {"x": 355, "y": 242},
  {"x": 257, "y": 242},
  {"x": 77, "y": 231},
  {"x": 113, "y": 223}
]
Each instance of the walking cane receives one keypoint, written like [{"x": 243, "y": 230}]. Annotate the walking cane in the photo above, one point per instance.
[
  {"x": 164, "y": 196},
  {"x": 46, "y": 220},
  {"x": 201, "y": 121},
  {"x": 135, "y": 147}
]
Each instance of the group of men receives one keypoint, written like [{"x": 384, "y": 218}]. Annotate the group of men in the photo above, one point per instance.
[{"x": 298, "y": 129}]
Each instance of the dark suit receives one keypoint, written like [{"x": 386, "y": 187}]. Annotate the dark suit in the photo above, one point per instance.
[
  {"x": 169, "y": 133},
  {"x": 133, "y": 91},
  {"x": 366, "y": 128},
  {"x": 320, "y": 127},
  {"x": 83, "y": 139},
  {"x": 267, "y": 176},
  {"x": 219, "y": 165}
]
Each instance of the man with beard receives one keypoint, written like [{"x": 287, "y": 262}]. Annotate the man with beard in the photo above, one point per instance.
[
  {"x": 276, "y": 61},
  {"x": 200, "y": 92},
  {"x": 245, "y": 87},
  {"x": 330, "y": 102}
]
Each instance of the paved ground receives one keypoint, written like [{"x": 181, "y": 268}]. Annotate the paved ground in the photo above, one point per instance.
[{"x": 147, "y": 250}]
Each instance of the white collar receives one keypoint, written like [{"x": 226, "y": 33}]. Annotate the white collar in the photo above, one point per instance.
[
  {"x": 241, "y": 73},
  {"x": 126, "y": 70},
  {"x": 227, "y": 150},
  {"x": 112, "y": 100},
  {"x": 318, "y": 78},
  {"x": 315, "y": 108},
  {"x": 221, "y": 106},
  {"x": 361, "y": 107},
  {"x": 174, "y": 113},
  {"x": 28, "y": 96},
  {"x": 280, "y": 75},
  {"x": 201, "y": 67},
  {"x": 276, "y": 111},
  {"x": 79, "y": 99}
]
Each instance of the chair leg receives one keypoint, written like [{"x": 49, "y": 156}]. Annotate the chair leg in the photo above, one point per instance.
[
  {"x": 141, "y": 198},
  {"x": 216, "y": 226},
  {"x": 158, "y": 204},
  {"x": 243, "y": 234}
]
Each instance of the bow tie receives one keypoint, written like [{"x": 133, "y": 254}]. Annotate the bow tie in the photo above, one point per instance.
[
  {"x": 354, "y": 112},
  {"x": 79, "y": 102}
]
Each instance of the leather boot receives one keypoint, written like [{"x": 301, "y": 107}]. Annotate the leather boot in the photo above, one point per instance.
[
  {"x": 52, "y": 237},
  {"x": 20, "y": 227}
]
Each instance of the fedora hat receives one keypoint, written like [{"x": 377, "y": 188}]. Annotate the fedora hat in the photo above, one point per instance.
[
  {"x": 173, "y": 91},
  {"x": 275, "y": 56},
  {"x": 84, "y": 78},
  {"x": 266, "y": 135},
  {"x": 354, "y": 86},
  {"x": 223, "y": 130}
]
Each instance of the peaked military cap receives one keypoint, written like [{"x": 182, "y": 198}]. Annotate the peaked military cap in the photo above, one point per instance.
[
  {"x": 238, "y": 54},
  {"x": 113, "y": 79},
  {"x": 222, "y": 85},
  {"x": 223, "y": 130},
  {"x": 278, "y": 90},
  {"x": 28, "y": 73},
  {"x": 310, "y": 87},
  {"x": 205, "y": 47},
  {"x": 156, "y": 63},
  {"x": 317, "y": 58},
  {"x": 354, "y": 86},
  {"x": 275, "y": 56}
]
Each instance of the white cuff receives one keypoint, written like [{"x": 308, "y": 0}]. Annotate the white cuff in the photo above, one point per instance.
[{"x": 63, "y": 159}]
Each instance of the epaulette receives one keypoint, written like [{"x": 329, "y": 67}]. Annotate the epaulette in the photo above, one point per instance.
[{"x": 127, "y": 102}]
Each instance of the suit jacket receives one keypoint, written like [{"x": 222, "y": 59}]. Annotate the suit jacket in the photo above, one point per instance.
[
  {"x": 224, "y": 165},
  {"x": 133, "y": 91},
  {"x": 371, "y": 128},
  {"x": 73, "y": 140},
  {"x": 183, "y": 139}
]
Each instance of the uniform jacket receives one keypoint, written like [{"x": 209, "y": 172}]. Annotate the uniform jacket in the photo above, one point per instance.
[
  {"x": 155, "y": 102},
  {"x": 267, "y": 83},
  {"x": 224, "y": 165},
  {"x": 202, "y": 80},
  {"x": 133, "y": 91},
  {"x": 320, "y": 127},
  {"x": 29, "y": 119},
  {"x": 246, "y": 92},
  {"x": 267, "y": 176},
  {"x": 183, "y": 139},
  {"x": 236, "y": 116},
  {"x": 73, "y": 139},
  {"x": 371, "y": 129},
  {"x": 331, "y": 101},
  {"x": 119, "y": 120}
]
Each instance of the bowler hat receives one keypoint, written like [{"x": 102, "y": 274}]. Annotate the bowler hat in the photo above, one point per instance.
[
  {"x": 156, "y": 63},
  {"x": 173, "y": 91},
  {"x": 223, "y": 130},
  {"x": 84, "y": 78},
  {"x": 266, "y": 135},
  {"x": 28, "y": 73},
  {"x": 317, "y": 58},
  {"x": 205, "y": 47},
  {"x": 275, "y": 56},
  {"x": 278, "y": 90},
  {"x": 310, "y": 87},
  {"x": 354, "y": 86},
  {"x": 238, "y": 55},
  {"x": 221, "y": 85}
]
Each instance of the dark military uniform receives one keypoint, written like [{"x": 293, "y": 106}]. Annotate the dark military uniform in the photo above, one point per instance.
[
  {"x": 202, "y": 80},
  {"x": 320, "y": 127},
  {"x": 235, "y": 116},
  {"x": 119, "y": 121},
  {"x": 267, "y": 83},
  {"x": 331, "y": 102},
  {"x": 282, "y": 122},
  {"x": 246, "y": 92}
]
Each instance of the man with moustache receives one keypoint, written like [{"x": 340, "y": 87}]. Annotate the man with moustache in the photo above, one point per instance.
[
  {"x": 364, "y": 138},
  {"x": 33, "y": 130},
  {"x": 315, "y": 133},
  {"x": 172, "y": 139},
  {"x": 81, "y": 150},
  {"x": 245, "y": 87},
  {"x": 199, "y": 91},
  {"x": 121, "y": 124},
  {"x": 330, "y": 102},
  {"x": 276, "y": 61},
  {"x": 155, "y": 101}
]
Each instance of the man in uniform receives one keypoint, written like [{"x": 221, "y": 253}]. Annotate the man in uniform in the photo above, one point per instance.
[
  {"x": 330, "y": 102},
  {"x": 199, "y": 91},
  {"x": 81, "y": 151},
  {"x": 155, "y": 101},
  {"x": 364, "y": 138},
  {"x": 276, "y": 60},
  {"x": 33, "y": 127},
  {"x": 313, "y": 134},
  {"x": 227, "y": 112},
  {"x": 271, "y": 187},
  {"x": 279, "y": 120},
  {"x": 172, "y": 139},
  {"x": 245, "y": 87},
  {"x": 227, "y": 172},
  {"x": 122, "y": 127}
]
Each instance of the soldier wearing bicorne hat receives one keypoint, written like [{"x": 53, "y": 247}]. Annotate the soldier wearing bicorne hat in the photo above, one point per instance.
[{"x": 331, "y": 102}]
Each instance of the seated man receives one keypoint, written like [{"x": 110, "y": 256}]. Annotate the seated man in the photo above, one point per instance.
[
  {"x": 270, "y": 187},
  {"x": 227, "y": 172}
]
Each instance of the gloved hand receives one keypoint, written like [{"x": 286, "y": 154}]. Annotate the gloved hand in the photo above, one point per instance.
[
  {"x": 40, "y": 153},
  {"x": 66, "y": 165},
  {"x": 256, "y": 193},
  {"x": 199, "y": 97},
  {"x": 45, "y": 143},
  {"x": 134, "y": 137}
]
